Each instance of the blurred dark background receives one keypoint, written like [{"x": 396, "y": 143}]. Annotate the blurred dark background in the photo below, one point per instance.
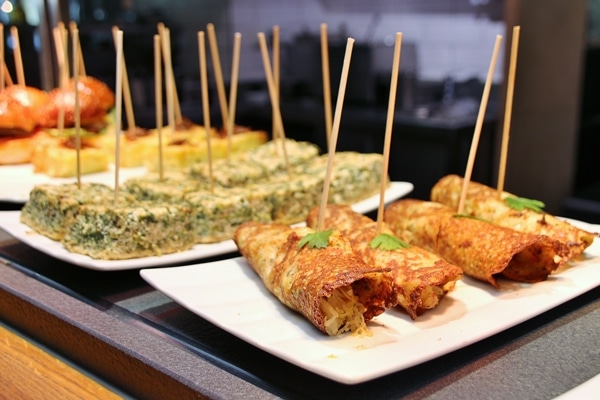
[{"x": 447, "y": 44}]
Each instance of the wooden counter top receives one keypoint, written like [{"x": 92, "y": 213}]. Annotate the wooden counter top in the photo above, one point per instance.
[{"x": 29, "y": 372}]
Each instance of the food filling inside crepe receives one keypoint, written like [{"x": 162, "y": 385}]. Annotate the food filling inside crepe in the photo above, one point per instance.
[{"x": 343, "y": 312}]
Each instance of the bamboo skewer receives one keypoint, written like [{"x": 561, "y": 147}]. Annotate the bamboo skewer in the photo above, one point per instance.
[
  {"x": 3, "y": 69},
  {"x": 62, "y": 74},
  {"x": 276, "y": 75},
  {"x": 170, "y": 75},
  {"x": 176, "y": 104},
  {"x": 75, "y": 46},
  {"x": 478, "y": 125},
  {"x": 508, "y": 108},
  {"x": 60, "y": 56},
  {"x": 158, "y": 101},
  {"x": 273, "y": 95},
  {"x": 166, "y": 51},
  {"x": 214, "y": 51},
  {"x": 388, "y": 129},
  {"x": 129, "y": 113},
  {"x": 235, "y": 66},
  {"x": 72, "y": 26},
  {"x": 7, "y": 78},
  {"x": 118, "y": 108},
  {"x": 205, "y": 104},
  {"x": 335, "y": 131},
  {"x": 64, "y": 41},
  {"x": 14, "y": 32},
  {"x": 326, "y": 82}
]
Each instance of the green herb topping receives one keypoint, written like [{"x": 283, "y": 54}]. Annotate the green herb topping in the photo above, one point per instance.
[
  {"x": 470, "y": 216},
  {"x": 521, "y": 203},
  {"x": 385, "y": 241},
  {"x": 318, "y": 240}
]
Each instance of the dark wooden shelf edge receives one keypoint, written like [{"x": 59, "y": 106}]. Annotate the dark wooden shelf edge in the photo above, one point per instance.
[{"x": 133, "y": 360}]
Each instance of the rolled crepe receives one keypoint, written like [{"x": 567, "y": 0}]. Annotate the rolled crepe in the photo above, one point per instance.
[
  {"x": 420, "y": 277},
  {"x": 483, "y": 250},
  {"x": 331, "y": 287},
  {"x": 483, "y": 202}
]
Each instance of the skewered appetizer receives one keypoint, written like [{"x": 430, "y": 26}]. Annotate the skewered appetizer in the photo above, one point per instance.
[
  {"x": 215, "y": 212},
  {"x": 20, "y": 113},
  {"x": 421, "y": 278},
  {"x": 508, "y": 210},
  {"x": 483, "y": 250},
  {"x": 331, "y": 287}
]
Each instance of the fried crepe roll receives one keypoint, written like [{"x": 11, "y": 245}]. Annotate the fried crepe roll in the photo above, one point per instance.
[
  {"x": 482, "y": 201},
  {"x": 483, "y": 250},
  {"x": 331, "y": 286},
  {"x": 420, "y": 277}
]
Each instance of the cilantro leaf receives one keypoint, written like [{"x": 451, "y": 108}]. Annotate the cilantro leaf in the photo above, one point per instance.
[
  {"x": 385, "y": 241},
  {"x": 521, "y": 203},
  {"x": 319, "y": 240}
]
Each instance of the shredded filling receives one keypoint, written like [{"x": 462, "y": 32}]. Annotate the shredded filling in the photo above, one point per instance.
[{"x": 343, "y": 312}]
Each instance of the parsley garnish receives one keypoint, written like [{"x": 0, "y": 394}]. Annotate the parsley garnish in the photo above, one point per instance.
[
  {"x": 319, "y": 240},
  {"x": 520, "y": 203},
  {"x": 385, "y": 241},
  {"x": 470, "y": 216}
]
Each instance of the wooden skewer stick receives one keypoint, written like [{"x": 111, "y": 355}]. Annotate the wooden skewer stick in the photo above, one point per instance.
[
  {"x": 72, "y": 26},
  {"x": 478, "y": 125},
  {"x": 276, "y": 74},
  {"x": 2, "y": 70},
  {"x": 166, "y": 50},
  {"x": 14, "y": 32},
  {"x": 60, "y": 56},
  {"x": 129, "y": 114},
  {"x": 7, "y": 78},
  {"x": 177, "y": 116},
  {"x": 214, "y": 52},
  {"x": 508, "y": 108},
  {"x": 335, "y": 131},
  {"x": 273, "y": 96},
  {"x": 235, "y": 67},
  {"x": 75, "y": 45},
  {"x": 62, "y": 78},
  {"x": 64, "y": 39},
  {"x": 326, "y": 82},
  {"x": 205, "y": 104},
  {"x": 118, "y": 109},
  {"x": 158, "y": 101},
  {"x": 388, "y": 129}
]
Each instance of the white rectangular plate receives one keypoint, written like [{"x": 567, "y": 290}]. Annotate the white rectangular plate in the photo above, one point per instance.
[
  {"x": 16, "y": 181},
  {"x": 9, "y": 221},
  {"x": 230, "y": 295}
]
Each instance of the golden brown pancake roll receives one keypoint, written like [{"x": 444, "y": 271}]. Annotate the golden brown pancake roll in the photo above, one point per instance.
[
  {"x": 332, "y": 287},
  {"x": 482, "y": 249},
  {"x": 483, "y": 202},
  {"x": 420, "y": 277}
]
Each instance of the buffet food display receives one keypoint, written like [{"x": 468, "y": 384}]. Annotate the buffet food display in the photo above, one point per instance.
[{"x": 286, "y": 206}]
